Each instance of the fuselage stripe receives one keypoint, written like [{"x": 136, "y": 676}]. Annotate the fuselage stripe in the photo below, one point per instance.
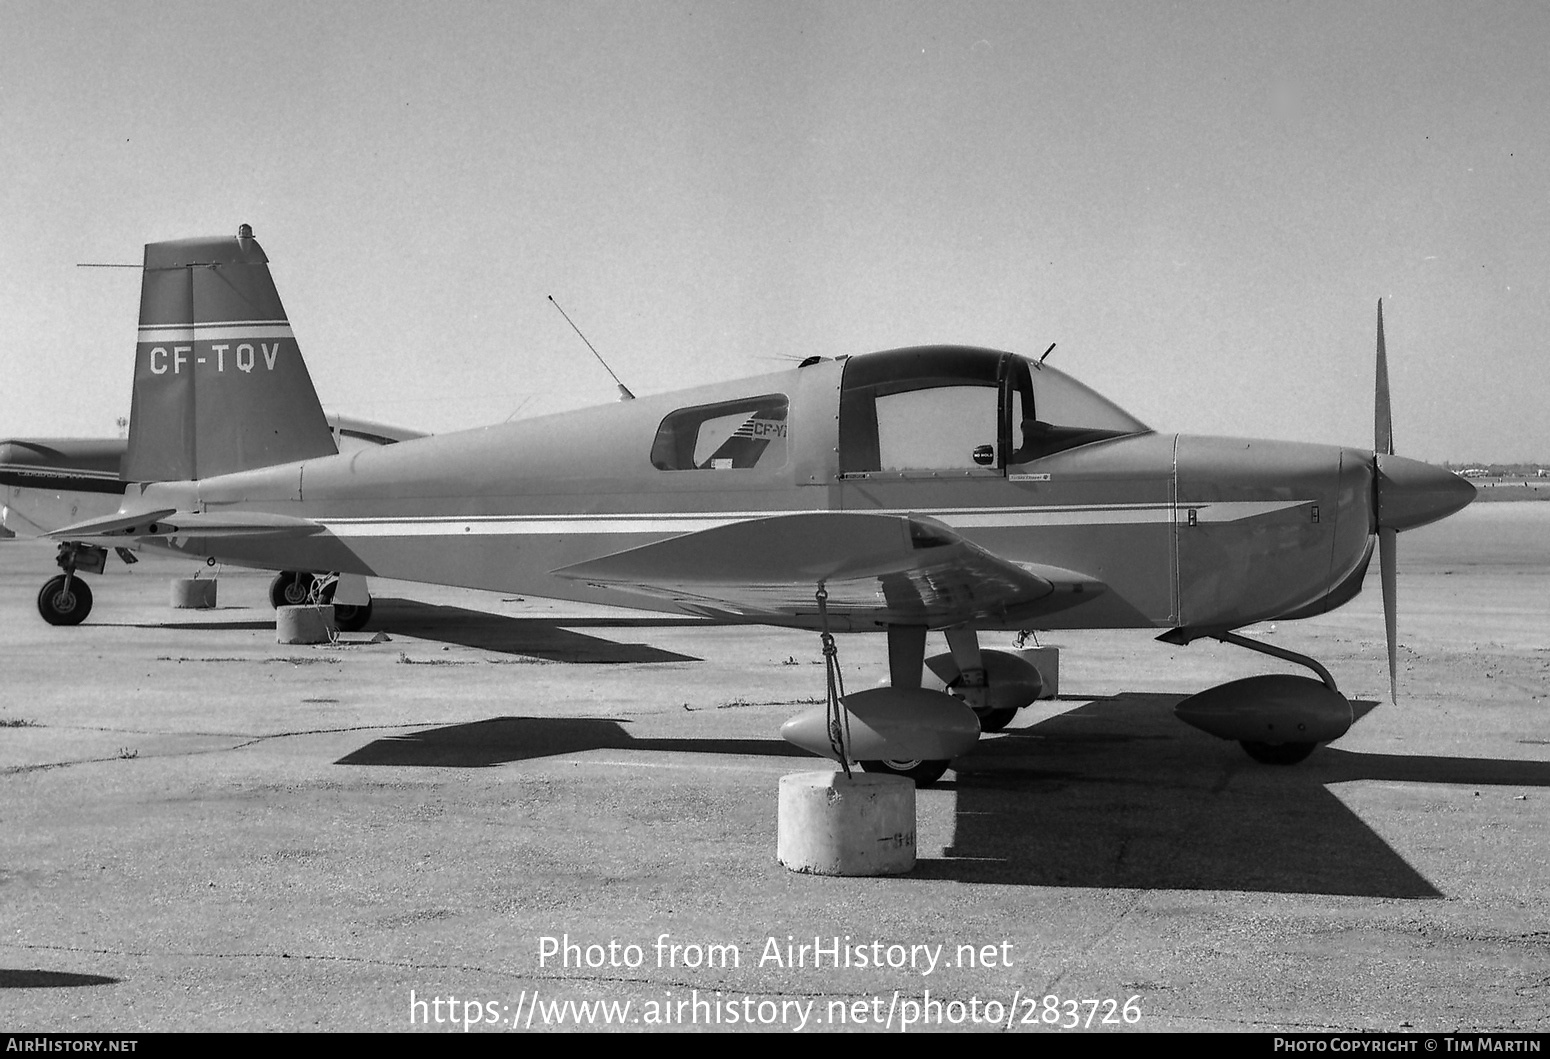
[{"x": 691, "y": 522}]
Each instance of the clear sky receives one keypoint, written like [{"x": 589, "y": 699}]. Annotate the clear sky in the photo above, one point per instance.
[{"x": 1200, "y": 202}]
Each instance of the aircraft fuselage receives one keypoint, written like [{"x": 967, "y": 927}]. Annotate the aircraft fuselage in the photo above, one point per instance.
[{"x": 1181, "y": 530}]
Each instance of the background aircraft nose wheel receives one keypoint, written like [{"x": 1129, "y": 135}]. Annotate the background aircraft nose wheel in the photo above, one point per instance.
[
  {"x": 1277, "y": 753},
  {"x": 290, "y": 589},
  {"x": 65, "y": 600},
  {"x": 924, "y": 773}
]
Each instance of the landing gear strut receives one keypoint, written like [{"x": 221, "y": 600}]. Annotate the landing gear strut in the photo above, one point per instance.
[{"x": 906, "y": 659}]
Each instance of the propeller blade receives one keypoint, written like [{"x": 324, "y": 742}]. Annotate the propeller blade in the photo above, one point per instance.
[
  {"x": 1387, "y": 543},
  {"x": 1383, "y": 425},
  {"x": 1388, "y": 536}
]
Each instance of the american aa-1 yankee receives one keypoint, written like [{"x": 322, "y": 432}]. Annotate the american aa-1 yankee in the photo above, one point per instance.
[{"x": 931, "y": 489}]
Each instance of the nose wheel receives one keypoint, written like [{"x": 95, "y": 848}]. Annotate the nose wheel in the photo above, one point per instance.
[{"x": 1277, "y": 753}]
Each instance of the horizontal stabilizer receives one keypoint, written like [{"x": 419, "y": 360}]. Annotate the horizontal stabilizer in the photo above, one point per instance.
[
  {"x": 123, "y": 524},
  {"x": 171, "y": 523}
]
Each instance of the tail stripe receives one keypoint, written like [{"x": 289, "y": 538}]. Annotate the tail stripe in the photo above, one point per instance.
[{"x": 233, "y": 331}]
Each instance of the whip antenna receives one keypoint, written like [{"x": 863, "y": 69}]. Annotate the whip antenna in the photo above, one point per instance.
[{"x": 624, "y": 391}]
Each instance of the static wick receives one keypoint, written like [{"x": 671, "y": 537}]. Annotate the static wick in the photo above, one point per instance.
[
  {"x": 624, "y": 391},
  {"x": 95, "y": 264}
]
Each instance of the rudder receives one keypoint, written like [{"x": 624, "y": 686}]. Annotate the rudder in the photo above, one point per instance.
[{"x": 220, "y": 385}]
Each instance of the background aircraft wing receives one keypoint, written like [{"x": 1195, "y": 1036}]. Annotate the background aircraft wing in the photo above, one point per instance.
[{"x": 877, "y": 569}]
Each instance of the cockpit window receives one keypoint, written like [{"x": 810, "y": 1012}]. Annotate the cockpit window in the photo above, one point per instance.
[
  {"x": 939, "y": 408},
  {"x": 926, "y": 409},
  {"x": 725, "y": 436}
]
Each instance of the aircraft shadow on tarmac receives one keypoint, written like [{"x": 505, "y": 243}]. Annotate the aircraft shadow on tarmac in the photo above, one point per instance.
[
  {"x": 1120, "y": 794},
  {"x": 16, "y": 978},
  {"x": 209, "y": 626},
  {"x": 501, "y": 740},
  {"x": 1113, "y": 794},
  {"x": 553, "y": 639}
]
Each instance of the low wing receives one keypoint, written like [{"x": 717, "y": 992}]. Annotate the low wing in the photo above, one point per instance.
[
  {"x": 877, "y": 570},
  {"x": 169, "y": 522}
]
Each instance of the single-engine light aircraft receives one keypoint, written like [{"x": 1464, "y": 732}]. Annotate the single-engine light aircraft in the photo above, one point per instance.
[{"x": 933, "y": 488}]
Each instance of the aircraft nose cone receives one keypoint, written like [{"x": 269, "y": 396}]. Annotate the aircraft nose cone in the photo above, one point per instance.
[{"x": 1412, "y": 493}]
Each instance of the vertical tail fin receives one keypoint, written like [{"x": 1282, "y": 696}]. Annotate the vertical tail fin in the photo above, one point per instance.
[{"x": 220, "y": 385}]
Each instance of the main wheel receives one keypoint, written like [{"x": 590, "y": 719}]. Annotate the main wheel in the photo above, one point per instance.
[
  {"x": 994, "y": 720},
  {"x": 924, "y": 773},
  {"x": 1278, "y": 753},
  {"x": 290, "y": 589},
  {"x": 351, "y": 618},
  {"x": 61, "y": 605}
]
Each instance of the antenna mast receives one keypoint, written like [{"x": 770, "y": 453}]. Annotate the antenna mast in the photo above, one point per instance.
[{"x": 624, "y": 391}]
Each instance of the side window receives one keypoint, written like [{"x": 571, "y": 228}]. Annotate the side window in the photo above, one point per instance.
[
  {"x": 729, "y": 435},
  {"x": 935, "y": 429},
  {"x": 927, "y": 409}
]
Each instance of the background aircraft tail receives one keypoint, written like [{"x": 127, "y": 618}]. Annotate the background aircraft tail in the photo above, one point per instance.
[{"x": 220, "y": 385}]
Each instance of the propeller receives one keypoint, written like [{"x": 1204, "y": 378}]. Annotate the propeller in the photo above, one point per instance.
[
  {"x": 1388, "y": 538},
  {"x": 1406, "y": 493}
]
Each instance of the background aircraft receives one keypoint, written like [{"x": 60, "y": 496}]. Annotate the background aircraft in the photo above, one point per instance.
[
  {"x": 934, "y": 488},
  {"x": 46, "y": 483}
]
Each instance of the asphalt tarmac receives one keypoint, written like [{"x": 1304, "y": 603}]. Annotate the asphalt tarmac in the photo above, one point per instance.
[{"x": 512, "y": 809}]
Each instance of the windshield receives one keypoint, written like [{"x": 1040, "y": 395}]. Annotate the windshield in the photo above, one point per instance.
[{"x": 1051, "y": 412}]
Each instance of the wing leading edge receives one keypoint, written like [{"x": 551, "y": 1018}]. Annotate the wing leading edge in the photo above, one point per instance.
[{"x": 877, "y": 570}]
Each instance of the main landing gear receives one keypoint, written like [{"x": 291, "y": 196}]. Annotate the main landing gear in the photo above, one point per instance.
[
  {"x": 993, "y": 684},
  {"x": 66, "y": 599},
  {"x": 293, "y": 588}
]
